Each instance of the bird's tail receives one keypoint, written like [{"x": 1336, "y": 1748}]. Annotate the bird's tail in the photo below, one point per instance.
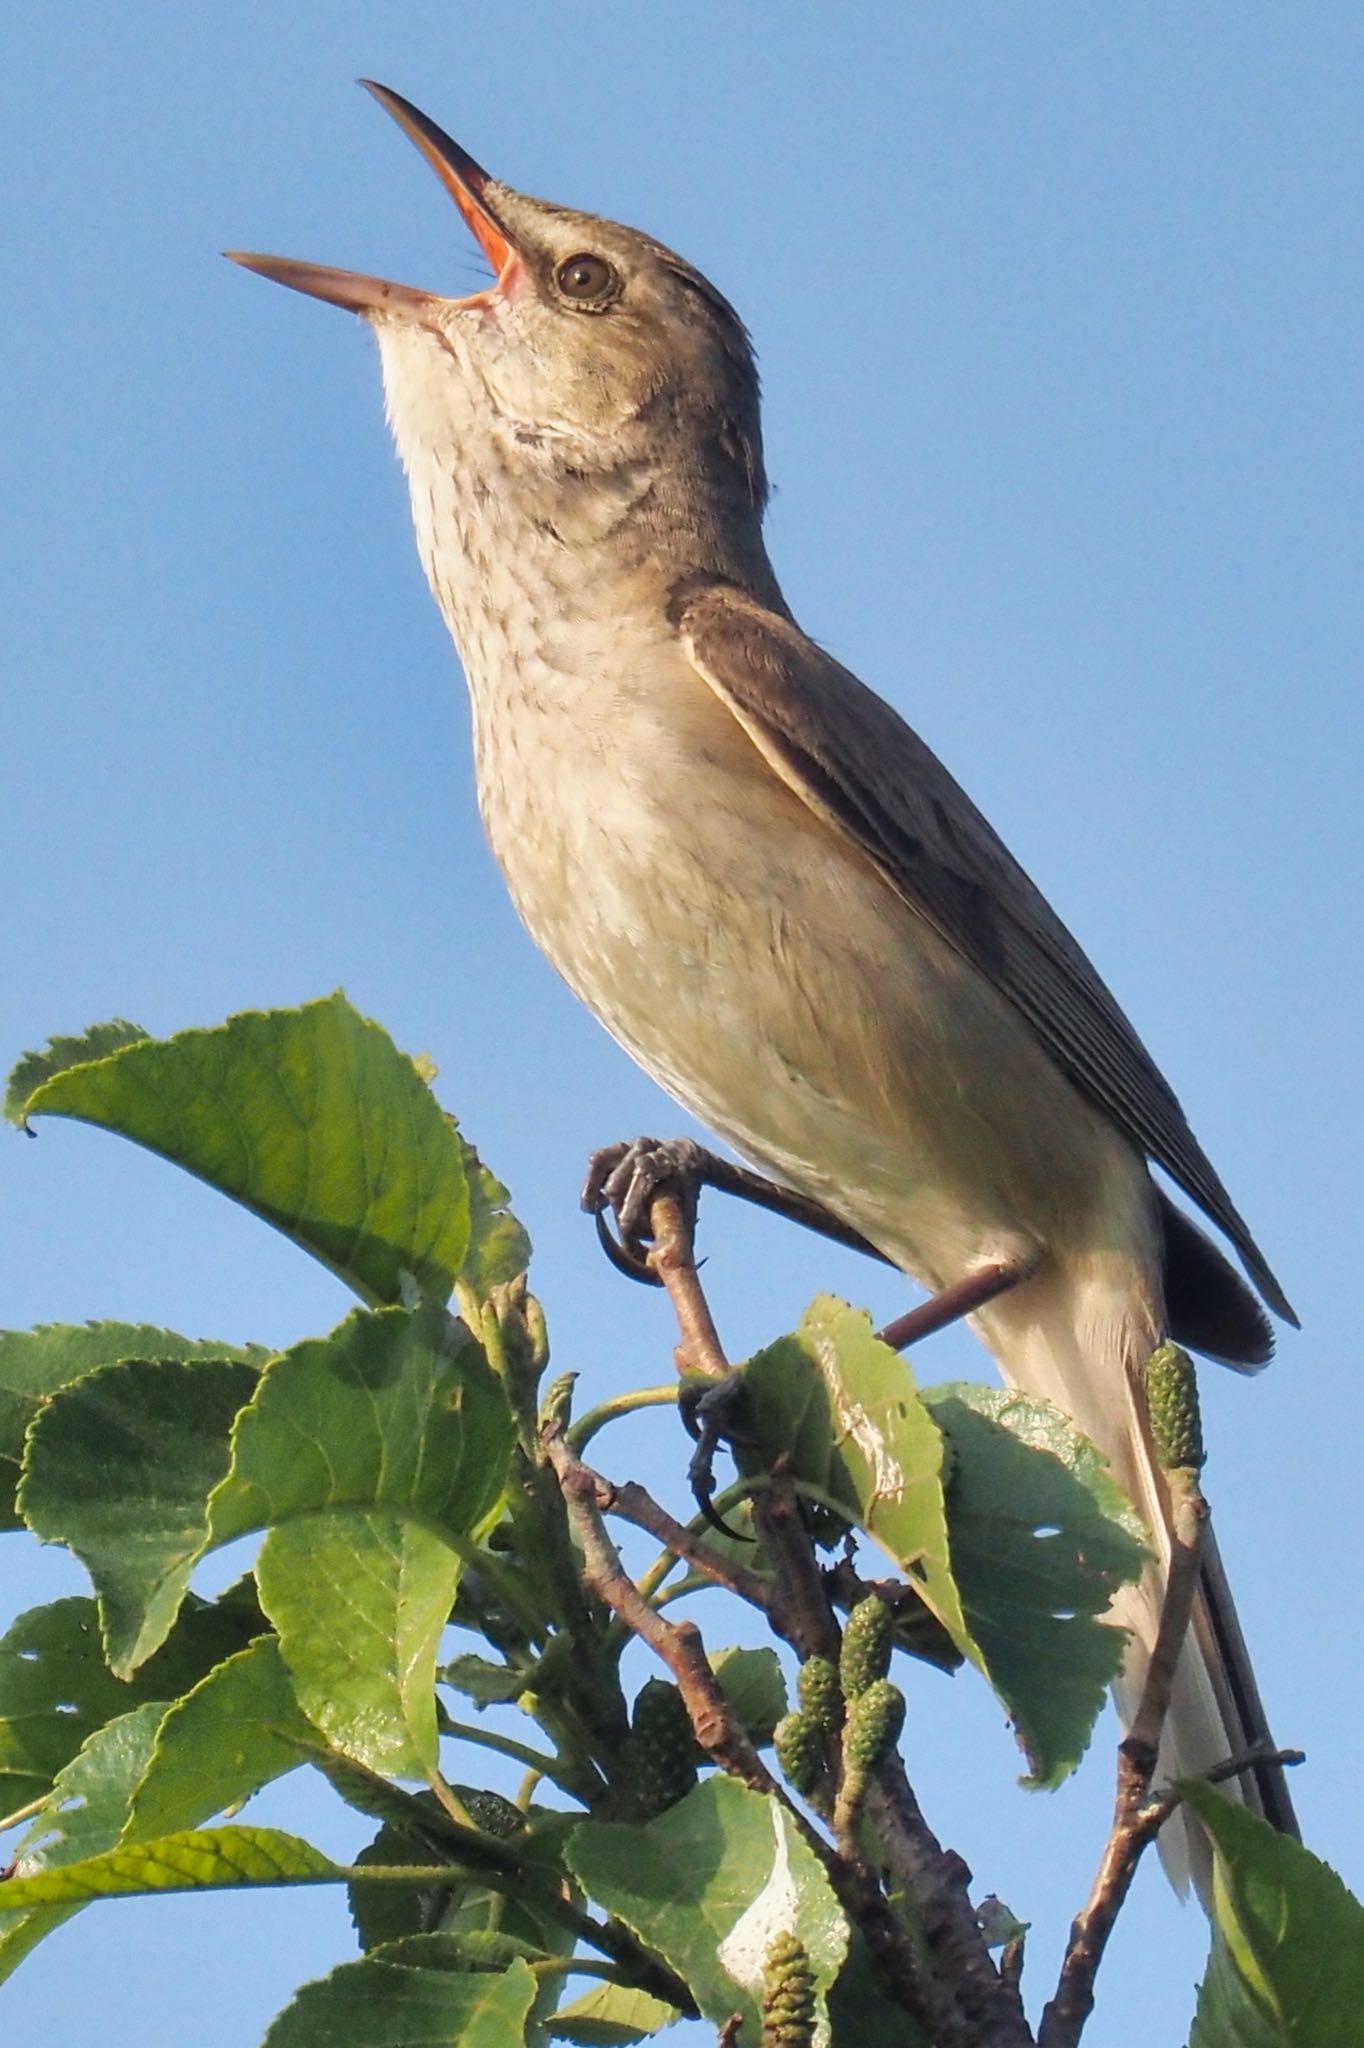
[{"x": 1079, "y": 1335}]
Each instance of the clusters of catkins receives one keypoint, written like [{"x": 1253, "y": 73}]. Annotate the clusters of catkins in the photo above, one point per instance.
[{"x": 848, "y": 1715}]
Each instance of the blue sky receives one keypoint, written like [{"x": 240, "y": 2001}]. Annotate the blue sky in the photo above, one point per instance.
[{"x": 1059, "y": 312}]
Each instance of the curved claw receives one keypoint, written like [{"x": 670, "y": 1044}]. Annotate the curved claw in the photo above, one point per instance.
[
  {"x": 710, "y": 1415},
  {"x": 701, "y": 1476},
  {"x": 622, "y": 1180},
  {"x": 632, "y": 1264},
  {"x": 718, "y": 1522}
]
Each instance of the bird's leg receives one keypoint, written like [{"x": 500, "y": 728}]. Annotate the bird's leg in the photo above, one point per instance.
[
  {"x": 621, "y": 1180},
  {"x": 962, "y": 1298}
]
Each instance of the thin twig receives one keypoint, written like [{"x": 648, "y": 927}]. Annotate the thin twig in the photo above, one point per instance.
[
  {"x": 520, "y": 1752},
  {"x": 671, "y": 1257},
  {"x": 731, "y": 1179},
  {"x": 987, "y": 2005},
  {"x": 678, "y": 1644},
  {"x": 1154, "y": 1816},
  {"x": 633, "y": 1504},
  {"x": 724, "y": 1737},
  {"x": 960, "y": 1999},
  {"x": 1066, "y": 2013},
  {"x": 963, "y": 1998}
]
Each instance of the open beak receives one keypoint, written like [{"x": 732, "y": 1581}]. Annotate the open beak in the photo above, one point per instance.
[{"x": 466, "y": 182}]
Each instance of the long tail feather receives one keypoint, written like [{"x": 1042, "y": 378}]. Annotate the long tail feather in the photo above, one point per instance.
[{"x": 1079, "y": 1335}]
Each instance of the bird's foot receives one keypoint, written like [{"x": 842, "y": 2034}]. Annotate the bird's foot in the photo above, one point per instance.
[
  {"x": 714, "y": 1412},
  {"x": 622, "y": 1181}
]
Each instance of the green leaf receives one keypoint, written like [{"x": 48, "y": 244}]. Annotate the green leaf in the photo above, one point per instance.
[
  {"x": 1041, "y": 1541},
  {"x": 232, "y": 1733},
  {"x": 85, "y": 1817},
  {"x": 36, "y": 1363},
  {"x": 708, "y": 1885},
  {"x": 60, "y": 1053},
  {"x": 842, "y": 1405},
  {"x": 1287, "y": 1962},
  {"x": 374, "y": 1455},
  {"x": 611, "y": 2016},
  {"x": 472, "y": 1893},
  {"x": 56, "y": 1689},
  {"x": 119, "y": 1467},
  {"x": 482, "y": 1681},
  {"x": 360, "y": 1599},
  {"x": 860, "y": 2009},
  {"x": 311, "y": 1118},
  {"x": 377, "y": 2003},
  {"x": 193, "y": 1859},
  {"x": 385, "y": 1912},
  {"x": 752, "y": 1682},
  {"x": 393, "y": 1409},
  {"x": 499, "y": 1248}
]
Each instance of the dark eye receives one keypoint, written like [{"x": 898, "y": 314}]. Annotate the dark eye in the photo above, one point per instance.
[{"x": 587, "y": 277}]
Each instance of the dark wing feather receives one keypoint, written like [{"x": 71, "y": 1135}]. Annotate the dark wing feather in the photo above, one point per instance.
[{"x": 855, "y": 761}]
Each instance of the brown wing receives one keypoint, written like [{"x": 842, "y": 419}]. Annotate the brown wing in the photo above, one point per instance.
[{"x": 855, "y": 761}]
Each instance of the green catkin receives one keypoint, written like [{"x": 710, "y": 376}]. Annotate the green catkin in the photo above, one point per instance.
[
  {"x": 874, "y": 1723},
  {"x": 867, "y": 1636},
  {"x": 494, "y": 1814},
  {"x": 820, "y": 1695},
  {"x": 1172, "y": 1400},
  {"x": 661, "y": 1750},
  {"x": 799, "y": 1744},
  {"x": 788, "y": 2000}
]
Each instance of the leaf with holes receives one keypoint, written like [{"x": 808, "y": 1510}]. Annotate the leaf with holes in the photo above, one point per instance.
[
  {"x": 310, "y": 1118},
  {"x": 1041, "y": 1541},
  {"x": 843, "y": 1407}
]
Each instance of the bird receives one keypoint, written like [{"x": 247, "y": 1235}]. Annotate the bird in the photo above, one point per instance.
[{"x": 763, "y": 882}]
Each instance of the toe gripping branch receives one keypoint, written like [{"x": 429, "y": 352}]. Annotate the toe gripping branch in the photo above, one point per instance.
[
  {"x": 651, "y": 1188},
  {"x": 623, "y": 1179}
]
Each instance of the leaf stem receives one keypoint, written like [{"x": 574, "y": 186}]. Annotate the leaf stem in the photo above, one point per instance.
[
  {"x": 581, "y": 1433},
  {"x": 520, "y": 1752},
  {"x": 22, "y": 1813}
]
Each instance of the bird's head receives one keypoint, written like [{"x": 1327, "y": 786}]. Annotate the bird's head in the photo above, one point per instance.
[{"x": 594, "y": 349}]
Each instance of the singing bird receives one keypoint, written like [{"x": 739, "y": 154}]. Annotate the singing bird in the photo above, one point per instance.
[{"x": 761, "y": 880}]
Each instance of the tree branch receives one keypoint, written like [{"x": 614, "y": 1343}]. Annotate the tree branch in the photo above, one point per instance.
[{"x": 1066, "y": 2013}]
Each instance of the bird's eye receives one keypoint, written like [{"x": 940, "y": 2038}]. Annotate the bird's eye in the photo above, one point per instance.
[{"x": 587, "y": 278}]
